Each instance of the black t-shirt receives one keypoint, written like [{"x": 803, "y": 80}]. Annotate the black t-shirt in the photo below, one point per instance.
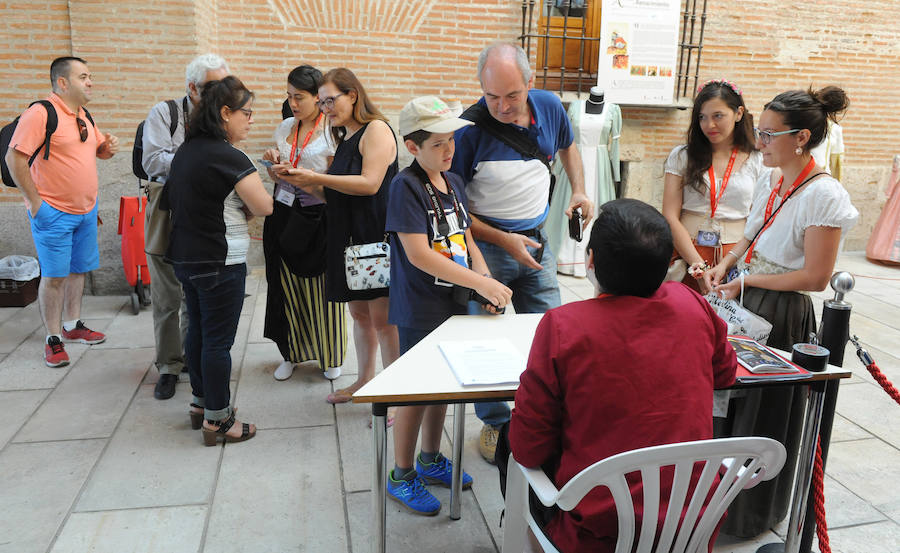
[
  {"x": 418, "y": 299},
  {"x": 208, "y": 226}
]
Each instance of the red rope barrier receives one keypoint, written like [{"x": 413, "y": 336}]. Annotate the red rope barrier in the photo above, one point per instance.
[
  {"x": 819, "y": 500},
  {"x": 883, "y": 381}
]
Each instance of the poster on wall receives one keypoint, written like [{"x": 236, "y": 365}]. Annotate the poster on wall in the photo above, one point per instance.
[{"x": 638, "y": 51}]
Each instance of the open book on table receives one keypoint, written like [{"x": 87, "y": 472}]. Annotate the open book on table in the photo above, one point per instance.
[{"x": 757, "y": 362}]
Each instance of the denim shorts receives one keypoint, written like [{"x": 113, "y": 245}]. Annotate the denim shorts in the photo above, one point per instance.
[{"x": 66, "y": 243}]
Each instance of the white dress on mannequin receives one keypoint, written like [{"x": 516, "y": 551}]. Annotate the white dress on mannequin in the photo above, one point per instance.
[{"x": 597, "y": 139}]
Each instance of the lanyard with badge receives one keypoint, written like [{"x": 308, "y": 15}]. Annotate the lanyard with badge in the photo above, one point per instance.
[
  {"x": 443, "y": 226},
  {"x": 769, "y": 216},
  {"x": 709, "y": 234},
  {"x": 285, "y": 193}
]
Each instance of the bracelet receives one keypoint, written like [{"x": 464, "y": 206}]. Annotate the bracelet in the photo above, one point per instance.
[{"x": 736, "y": 256}]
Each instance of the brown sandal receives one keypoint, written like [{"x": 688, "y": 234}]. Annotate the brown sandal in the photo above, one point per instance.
[
  {"x": 211, "y": 437},
  {"x": 196, "y": 418}
]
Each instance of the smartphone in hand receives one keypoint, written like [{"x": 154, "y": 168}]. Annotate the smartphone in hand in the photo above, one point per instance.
[
  {"x": 575, "y": 225},
  {"x": 268, "y": 164}
]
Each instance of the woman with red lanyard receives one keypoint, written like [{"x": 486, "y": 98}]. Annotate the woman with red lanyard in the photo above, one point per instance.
[
  {"x": 710, "y": 182},
  {"x": 299, "y": 319},
  {"x": 790, "y": 245}
]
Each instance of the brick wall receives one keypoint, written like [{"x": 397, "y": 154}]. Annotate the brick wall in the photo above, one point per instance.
[{"x": 137, "y": 52}]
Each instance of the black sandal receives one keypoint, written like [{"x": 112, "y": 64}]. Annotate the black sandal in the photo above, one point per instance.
[{"x": 211, "y": 437}]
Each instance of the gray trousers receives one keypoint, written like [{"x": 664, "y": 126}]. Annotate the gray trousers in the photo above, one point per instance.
[{"x": 170, "y": 320}]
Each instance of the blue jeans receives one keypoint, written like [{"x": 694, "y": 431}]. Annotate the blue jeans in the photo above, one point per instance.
[
  {"x": 214, "y": 297},
  {"x": 534, "y": 291}
]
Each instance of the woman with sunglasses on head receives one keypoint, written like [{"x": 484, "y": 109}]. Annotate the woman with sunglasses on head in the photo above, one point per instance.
[
  {"x": 212, "y": 189},
  {"x": 355, "y": 190},
  {"x": 299, "y": 319},
  {"x": 789, "y": 247},
  {"x": 710, "y": 181}
]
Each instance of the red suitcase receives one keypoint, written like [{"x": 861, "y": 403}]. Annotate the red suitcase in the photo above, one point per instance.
[{"x": 134, "y": 260}]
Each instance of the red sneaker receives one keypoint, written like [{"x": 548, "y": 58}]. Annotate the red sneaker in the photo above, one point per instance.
[
  {"x": 55, "y": 354},
  {"x": 83, "y": 334}
]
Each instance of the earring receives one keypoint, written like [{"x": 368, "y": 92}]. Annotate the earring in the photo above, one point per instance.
[
  {"x": 797, "y": 148},
  {"x": 798, "y": 151}
]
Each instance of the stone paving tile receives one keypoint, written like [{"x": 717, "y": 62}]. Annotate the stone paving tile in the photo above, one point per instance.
[
  {"x": 154, "y": 459},
  {"x": 298, "y": 401},
  {"x": 15, "y": 410},
  {"x": 844, "y": 508},
  {"x": 105, "y": 307},
  {"x": 279, "y": 492},
  {"x": 157, "y": 530},
  {"x": 845, "y": 430},
  {"x": 882, "y": 537},
  {"x": 408, "y": 533},
  {"x": 16, "y": 328},
  {"x": 89, "y": 402},
  {"x": 130, "y": 331},
  {"x": 24, "y": 368},
  {"x": 869, "y": 407},
  {"x": 869, "y": 469},
  {"x": 39, "y": 483}
]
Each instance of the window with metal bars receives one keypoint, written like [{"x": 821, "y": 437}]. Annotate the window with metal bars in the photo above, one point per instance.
[{"x": 566, "y": 37}]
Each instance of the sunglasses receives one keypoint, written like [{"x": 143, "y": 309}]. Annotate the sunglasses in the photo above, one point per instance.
[{"x": 82, "y": 129}]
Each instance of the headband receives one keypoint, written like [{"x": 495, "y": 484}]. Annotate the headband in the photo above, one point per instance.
[{"x": 721, "y": 82}]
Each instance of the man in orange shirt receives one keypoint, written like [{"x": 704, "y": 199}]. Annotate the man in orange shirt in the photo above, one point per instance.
[{"x": 61, "y": 199}]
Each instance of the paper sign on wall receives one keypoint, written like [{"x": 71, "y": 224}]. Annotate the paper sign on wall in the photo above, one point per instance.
[{"x": 638, "y": 51}]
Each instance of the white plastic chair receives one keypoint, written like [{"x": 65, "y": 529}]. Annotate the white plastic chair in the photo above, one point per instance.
[{"x": 746, "y": 462}]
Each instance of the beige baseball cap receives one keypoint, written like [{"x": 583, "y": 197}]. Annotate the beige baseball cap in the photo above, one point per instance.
[{"x": 430, "y": 113}]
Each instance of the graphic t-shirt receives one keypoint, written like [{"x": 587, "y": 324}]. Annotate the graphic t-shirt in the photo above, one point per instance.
[{"x": 420, "y": 300}]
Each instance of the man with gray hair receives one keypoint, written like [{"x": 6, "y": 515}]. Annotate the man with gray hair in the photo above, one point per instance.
[
  {"x": 509, "y": 191},
  {"x": 160, "y": 145}
]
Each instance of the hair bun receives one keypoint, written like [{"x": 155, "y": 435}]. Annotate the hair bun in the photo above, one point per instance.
[{"x": 833, "y": 99}]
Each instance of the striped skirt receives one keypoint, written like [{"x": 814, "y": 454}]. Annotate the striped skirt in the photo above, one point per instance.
[{"x": 314, "y": 328}]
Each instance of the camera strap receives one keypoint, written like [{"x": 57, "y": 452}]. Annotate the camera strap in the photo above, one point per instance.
[{"x": 443, "y": 225}]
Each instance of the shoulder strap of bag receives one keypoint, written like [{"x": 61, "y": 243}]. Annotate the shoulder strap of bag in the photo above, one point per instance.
[
  {"x": 173, "y": 116},
  {"x": 52, "y": 123},
  {"x": 516, "y": 140},
  {"x": 88, "y": 115}
]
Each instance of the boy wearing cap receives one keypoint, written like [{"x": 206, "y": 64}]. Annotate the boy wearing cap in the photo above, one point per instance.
[{"x": 431, "y": 251}]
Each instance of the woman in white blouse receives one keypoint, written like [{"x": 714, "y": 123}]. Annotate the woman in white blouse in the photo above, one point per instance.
[
  {"x": 299, "y": 319},
  {"x": 790, "y": 244},
  {"x": 795, "y": 227},
  {"x": 710, "y": 181}
]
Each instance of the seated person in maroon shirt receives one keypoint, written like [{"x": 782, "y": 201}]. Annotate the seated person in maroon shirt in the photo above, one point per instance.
[{"x": 633, "y": 367}]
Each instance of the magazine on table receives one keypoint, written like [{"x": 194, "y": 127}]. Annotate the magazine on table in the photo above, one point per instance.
[{"x": 757, "y": 362}]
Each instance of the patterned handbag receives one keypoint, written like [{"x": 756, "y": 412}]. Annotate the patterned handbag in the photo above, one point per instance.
[{"x": 368, "y": 265}]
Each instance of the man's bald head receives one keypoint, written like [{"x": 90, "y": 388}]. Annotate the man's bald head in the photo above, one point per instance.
[{"x": 504, "y": 56}]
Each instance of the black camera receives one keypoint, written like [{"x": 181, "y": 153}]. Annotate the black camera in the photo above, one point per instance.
[
  {"x": 575, "y": 225},
  {"x": 463, "y": 295}
]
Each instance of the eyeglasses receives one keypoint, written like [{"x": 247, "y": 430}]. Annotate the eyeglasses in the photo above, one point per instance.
[
  {"x": 766, "y": 136},
  {"x": 82, "y": 129},
  {"x": 328, "y": 102},
  {"x": 248, "y": 112}
]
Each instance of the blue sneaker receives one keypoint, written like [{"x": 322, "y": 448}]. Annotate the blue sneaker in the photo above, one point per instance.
[
  {"x": 440, "y": 472},
  {"x": 413, "y": 495}
]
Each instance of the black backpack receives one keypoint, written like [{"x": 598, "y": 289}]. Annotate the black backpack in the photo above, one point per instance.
[
  {"x": 6, "y": 134},
  {"x": 137, "y": 154}
]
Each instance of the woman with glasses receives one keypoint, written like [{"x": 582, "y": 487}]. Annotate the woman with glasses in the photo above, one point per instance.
[
  {"x": 212, "y": 189},
  {"x": 299, "y": 319},
  {"x": 355, "y": 190},
  {"x": 710, "y": 181},
  {"x": 789, "y": 247}
]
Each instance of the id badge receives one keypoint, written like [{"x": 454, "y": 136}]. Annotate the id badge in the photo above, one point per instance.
[
  {"x": 709, "y": 238},
  {"x": 284, "y": 193}
]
